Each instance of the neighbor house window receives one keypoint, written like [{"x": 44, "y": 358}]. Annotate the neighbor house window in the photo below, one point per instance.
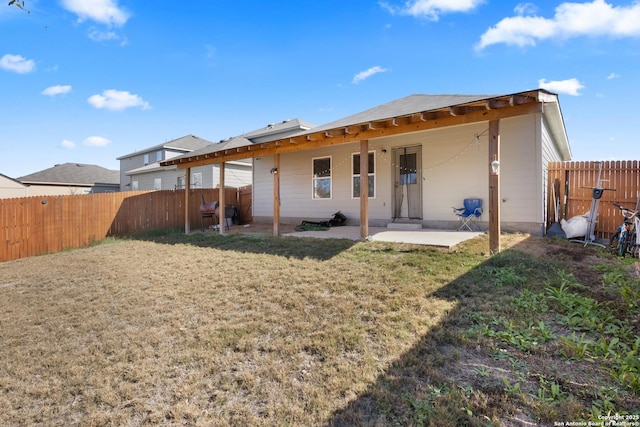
[
  {"x": 134, "y": 185},
  {"x": 180, "y": 184},
  {"x": 159, "y": 155},
  {"x": 146, "y": 159},
  {"x": 371, "y": 175},
  {"x": 196, "y": 180},
  {"x": 157, "y": 184},
  {"x": 322, "y": 178}
]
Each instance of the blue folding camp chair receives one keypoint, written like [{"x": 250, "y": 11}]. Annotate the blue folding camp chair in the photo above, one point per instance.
[{"x": 469, "y": 214}]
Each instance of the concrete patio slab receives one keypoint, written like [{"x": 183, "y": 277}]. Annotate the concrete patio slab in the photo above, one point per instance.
[{"x": 430, "y": 237}]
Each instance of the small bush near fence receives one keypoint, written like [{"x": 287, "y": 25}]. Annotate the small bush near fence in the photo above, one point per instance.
[{"x": 45, "y": 224}]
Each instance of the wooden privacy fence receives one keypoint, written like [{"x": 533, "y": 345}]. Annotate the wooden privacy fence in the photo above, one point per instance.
[
  {"x": 45, "y": 224},
  {"x": 577, "y": 180}
]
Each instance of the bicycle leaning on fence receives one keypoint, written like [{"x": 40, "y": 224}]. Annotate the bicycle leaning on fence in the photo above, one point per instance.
[{"x": 626, "y": 240}]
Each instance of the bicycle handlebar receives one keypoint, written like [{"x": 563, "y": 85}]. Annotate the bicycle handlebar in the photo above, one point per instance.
[{"x": 626, "y": 212}]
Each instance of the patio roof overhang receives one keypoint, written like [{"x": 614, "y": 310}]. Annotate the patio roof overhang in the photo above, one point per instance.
[
  {"x": 480, "y": 110},
  {"x": 392, "y": 119}
]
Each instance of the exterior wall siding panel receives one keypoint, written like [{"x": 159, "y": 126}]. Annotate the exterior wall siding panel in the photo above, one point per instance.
[{"x": 455, "y": 166}]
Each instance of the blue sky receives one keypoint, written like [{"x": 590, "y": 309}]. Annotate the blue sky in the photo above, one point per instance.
[{"x": 88, "y": 81}]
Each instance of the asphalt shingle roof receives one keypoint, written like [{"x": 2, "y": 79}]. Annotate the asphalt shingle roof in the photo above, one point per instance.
[
  {"x": 73, "y": 173},
  {"x": 186, "y": 143},
  {"x": 402, "y": 107}
]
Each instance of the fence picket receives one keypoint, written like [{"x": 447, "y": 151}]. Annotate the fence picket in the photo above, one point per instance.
[
  {"x": 45, "y": 224},
  {"x": 623, "y": 177}
]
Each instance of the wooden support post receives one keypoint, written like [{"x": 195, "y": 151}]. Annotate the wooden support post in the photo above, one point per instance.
[
  {"x": 276, "y": 194},
  {"x": 494, "y": 187},
  {"x": 364, "y": 189},
  {"x": 222, "y": 203},
  {"x": 187, "y": 189}
]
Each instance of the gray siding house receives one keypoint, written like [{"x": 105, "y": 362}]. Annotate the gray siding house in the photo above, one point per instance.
[{"x": 141, "y": 170}]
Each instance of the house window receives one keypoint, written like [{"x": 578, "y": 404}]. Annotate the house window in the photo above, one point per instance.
[
  {"x": 371, "y": 175},
  {"x": 146, "y": 159},
  {"x": 159, "y": 156},
  {"x": 134, "y": 185},
  {"x": 157, "y": 184},
  {"x": 196, "y": 180},
  {"x": 180, "y": 184},
  {"x": 322, "y": 178}
]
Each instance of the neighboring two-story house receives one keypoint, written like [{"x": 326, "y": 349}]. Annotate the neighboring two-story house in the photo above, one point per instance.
[{"x": 141, "y": 170}]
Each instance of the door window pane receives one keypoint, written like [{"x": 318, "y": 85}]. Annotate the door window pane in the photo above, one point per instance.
[{"x": 408, "y": 169}]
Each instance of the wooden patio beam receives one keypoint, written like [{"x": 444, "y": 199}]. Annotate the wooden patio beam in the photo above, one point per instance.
[
  {"x": 374, "y": 129},
  {"x": 187, "y": 187},
  {"x": 222, "y": 203},
  {"x": 494, "y": 188},
  {"x": 364, "y": 189},
  {"x": 276, "y": 194}
]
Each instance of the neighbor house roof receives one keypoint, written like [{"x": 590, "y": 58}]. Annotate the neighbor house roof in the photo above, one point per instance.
[
  {"x": 186, "y": 143},
  {"x": 12, "y": 180},
  {"x": 274, "y": 129},
  {"x": 73, "y": 174},
  {"x": 409, "y": 114}
]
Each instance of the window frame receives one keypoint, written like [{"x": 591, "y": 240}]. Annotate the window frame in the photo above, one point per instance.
[
  {"x": 315, "y": 179},
  {"x": 196, "y": 180},
  {"x": 371, "y": 153},
  {"x": 181, "y": 182}
]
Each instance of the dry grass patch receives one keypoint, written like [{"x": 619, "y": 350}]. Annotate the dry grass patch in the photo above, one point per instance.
[
  {"x": 256, "y": 330},
  {"x": 260, "y": 331}
]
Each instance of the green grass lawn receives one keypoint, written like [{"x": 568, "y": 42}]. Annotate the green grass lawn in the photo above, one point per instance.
[{"x": 256, "y": 330}]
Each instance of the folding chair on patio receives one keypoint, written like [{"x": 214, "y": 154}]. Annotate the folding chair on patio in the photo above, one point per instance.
[{"x": 468, "y": 214}]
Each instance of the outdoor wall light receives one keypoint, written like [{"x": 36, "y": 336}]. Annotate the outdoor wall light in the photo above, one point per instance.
[
  {"x": 274, "y": 170},
  {"x": 495, "y": 167}
]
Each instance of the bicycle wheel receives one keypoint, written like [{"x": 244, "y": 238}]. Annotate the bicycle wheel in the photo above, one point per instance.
[
  {"x": 632, "y": 246},
  {"x": 624, "y": 247},
  {"x": 614, "y": 243}
]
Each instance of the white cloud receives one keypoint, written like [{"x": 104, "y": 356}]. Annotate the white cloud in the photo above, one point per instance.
[
  {"x": 612, "y": 76},
  {"x": 106, "y": 36},
  {"x": 368, "y": 73},
  {"x": 117, "y": 100},
  {"x": 68, "y": 144},
  {"x": 432, "y": 9},
  {"x": 103, "y": 11},
  {"x": 96, "y": 141},
  {"x": 525, "y": 9},
  {"x": 597, "y": 18},
  {"x": 569, "y": 86},
  {"x": 56, "y": 90},
  {"x": 17, "y": 64}
]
